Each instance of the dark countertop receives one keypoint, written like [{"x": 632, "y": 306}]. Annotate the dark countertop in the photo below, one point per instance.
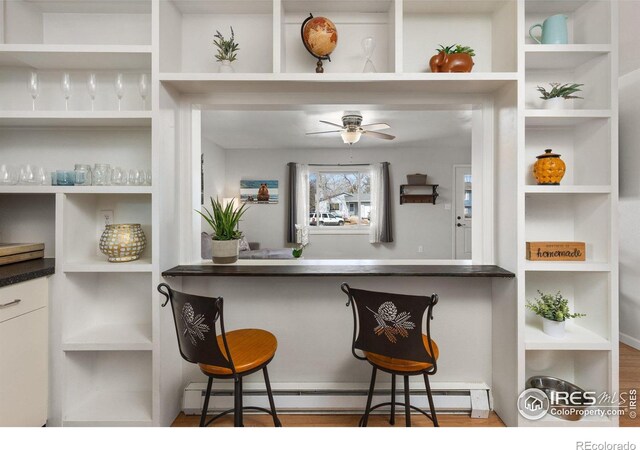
[
  {"x": 319, "y": 270},
  {"x": 27, "y": 270}
]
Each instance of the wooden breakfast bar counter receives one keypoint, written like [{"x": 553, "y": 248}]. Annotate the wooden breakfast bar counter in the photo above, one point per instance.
[{"x": 332, "y": 270}]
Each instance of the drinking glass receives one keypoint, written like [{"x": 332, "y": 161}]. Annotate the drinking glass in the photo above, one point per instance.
[
  {"x": 148, "y": 181},
  {"x": 65, "y": 85},
  {"x": 8, "y": 175},
  {"x": 83, "y": 174},
  {"x": 119, "y": 176},
  {"x": 33, "y": 86},
  {"x": 42, "y": 177},
  {"x": 92, "y": 87},
  {"x": 143, "y": 88},
  {"x": 119, "y": 85},
  {"x": 28, "y": 174},
  {"x": 368, "y": 45},
  {"x": 65, "y": 177},
  {"x": 102, "y": 175},
  {"x": 134, "y": 177}
]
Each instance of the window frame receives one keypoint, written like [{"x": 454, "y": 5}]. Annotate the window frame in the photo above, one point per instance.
[{"x": 359, "y": 229}]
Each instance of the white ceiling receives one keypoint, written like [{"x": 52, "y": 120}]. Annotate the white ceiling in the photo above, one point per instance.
[{"x": 285, "y": 129}]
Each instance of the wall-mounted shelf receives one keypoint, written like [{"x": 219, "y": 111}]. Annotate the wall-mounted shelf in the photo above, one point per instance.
[{"x": 407, "y": 197}]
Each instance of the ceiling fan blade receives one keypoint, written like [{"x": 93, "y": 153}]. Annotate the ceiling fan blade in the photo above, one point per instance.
[
  {"x": 386, "y": 136},
  {"x": 331, "y": 123},
  {"x": 323, "y": 132},
  {"x": 375, "y": 126}
]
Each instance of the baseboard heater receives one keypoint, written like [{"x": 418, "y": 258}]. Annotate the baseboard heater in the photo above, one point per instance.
[{"x": 449, "y": 398}]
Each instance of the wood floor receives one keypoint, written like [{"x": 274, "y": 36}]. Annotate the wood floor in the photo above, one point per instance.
[
  {"x": 343, "y": 420},
  {"x": 629, "y": 379}
]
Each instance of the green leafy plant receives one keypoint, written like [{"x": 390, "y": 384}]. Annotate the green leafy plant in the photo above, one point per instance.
[
  {"x": 552, "y": 307},
  {"x": 565, "y": 91},
  {"x": 223, "y": 220},
  {"x": 227, "y": 49},
  {"x": 456, "y": 48}
]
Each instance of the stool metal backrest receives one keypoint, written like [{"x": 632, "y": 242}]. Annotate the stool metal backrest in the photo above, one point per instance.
[
  {"x": 391, "y": 324},
  {"x": 195, "y": 319}
]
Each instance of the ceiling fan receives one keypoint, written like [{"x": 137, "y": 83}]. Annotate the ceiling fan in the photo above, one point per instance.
[{"x": 352, "y": 129}]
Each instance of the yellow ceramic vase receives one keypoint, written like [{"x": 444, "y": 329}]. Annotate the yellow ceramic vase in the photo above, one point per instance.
[{"x": 549, "y": 169}]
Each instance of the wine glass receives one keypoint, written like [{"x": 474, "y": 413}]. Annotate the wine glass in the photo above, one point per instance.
[
  {"x": 33, "y": 86},
  {"x": 143, "y": 88},
  {"x": 92, "y": 87},
  {"x": 119, "y": 85},
  {"x": 65, "y": 85},
  {"x": 368, "y": 45}
]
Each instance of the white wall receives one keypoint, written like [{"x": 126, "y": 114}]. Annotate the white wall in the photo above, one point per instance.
[
  {"x": 629, "y": 205},
  {"x": 314, "y": 328},
  {"x": 630, "y": 208},
  {"x": 414, "y": 224}
]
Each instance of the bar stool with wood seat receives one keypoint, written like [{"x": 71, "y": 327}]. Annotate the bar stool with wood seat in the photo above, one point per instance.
[
  {"x": 388, "y": 330},
  {"x": 231, "y": 355}
]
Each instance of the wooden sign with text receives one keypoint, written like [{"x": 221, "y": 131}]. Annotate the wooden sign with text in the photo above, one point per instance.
[{"x": 556, "y": 251}]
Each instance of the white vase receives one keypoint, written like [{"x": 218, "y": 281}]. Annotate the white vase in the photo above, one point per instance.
[
  {"x": 558, "y": 103},
  {"x": 225, "y": 252},
  {"x": 553, "y": 328},
  {"x": 226, "y": 67}
]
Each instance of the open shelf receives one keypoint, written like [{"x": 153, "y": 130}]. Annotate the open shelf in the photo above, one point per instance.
[
  {"x": 548, "y": 118},
  {"x": 571, "y": 217},
  {"x": 83, "y": 225},
  {"x": 21, "y": 189},
  {"x": 355, "y": 20},
  {"x": 441, "y": 83},
  {"x": 108, "y": 388},
  {"x": 566, "y": 266},
  {"x": 110, "y": 337},
  {"x": 589, "y": 21},
  {"x": 562, "y": 57},
  {"x": 189, "y": 28},
  {"x": 75, "y": 118},
  {"x": 100, "y": 264},
  {"x": 29, "y": 218},
  {"x": 576, "y": 338},
  {"x": 594, "y": 74},
  {"x": 489, "y": 27},
  {"x": 587, "y": 369},
  {"x": 68, "y": 22},
  {"x": 76, "y": 56},
  {"x": 107, "y": 311},
  {"x": 585, "y": 149},
  {"x": 588, "y": 293}
]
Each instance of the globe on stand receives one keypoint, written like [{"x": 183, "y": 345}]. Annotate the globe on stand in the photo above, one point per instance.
[{"x": 320, "y": 38}]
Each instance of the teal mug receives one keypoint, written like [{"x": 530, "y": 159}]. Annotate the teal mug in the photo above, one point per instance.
[{"x": 554, "y": 30}]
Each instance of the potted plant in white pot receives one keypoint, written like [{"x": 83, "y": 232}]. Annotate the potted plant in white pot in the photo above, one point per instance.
[
  {"x": 225, "y": 235},
  {"x": 560, "y": 95},
  {"x": 227, "y": 49},
  {"x": 554, "y": 310}
]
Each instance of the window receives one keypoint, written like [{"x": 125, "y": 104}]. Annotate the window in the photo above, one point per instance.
[{"x": 340, "y": 198}]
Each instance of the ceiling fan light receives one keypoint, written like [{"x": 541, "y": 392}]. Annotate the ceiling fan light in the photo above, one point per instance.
[{"x": 350, "y": 137}]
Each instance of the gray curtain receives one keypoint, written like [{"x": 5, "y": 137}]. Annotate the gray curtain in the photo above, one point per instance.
[
  {"x": 386, "y": 231},
  {"x": 291, "y": 203}
]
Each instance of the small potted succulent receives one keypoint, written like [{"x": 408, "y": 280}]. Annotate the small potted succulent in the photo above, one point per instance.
[
  {"x": 554, "y": 310},
  {"x": 224, "y": 222},
  {"x": 227, "y": 51},
  {"x": 452, "y": 58},
  {"x": 559, "y": 94}
]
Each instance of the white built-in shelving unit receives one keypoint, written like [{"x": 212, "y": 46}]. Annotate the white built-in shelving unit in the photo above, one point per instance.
[
  {"x": 582, "y": 208},
  {"x": 113, "y": 352}
]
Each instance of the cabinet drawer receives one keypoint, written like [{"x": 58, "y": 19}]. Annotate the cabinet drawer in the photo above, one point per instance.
[{"x": 33, "y": 294}]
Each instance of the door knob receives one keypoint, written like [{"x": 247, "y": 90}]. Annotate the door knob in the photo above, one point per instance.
[
  {"x": 459, "y": 217},
  {"x": 458, "y": 224}
]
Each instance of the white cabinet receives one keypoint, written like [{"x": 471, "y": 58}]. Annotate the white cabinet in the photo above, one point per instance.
[{"x": 24, "y": 354}]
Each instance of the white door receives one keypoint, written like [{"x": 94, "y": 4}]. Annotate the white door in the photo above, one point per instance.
[{"x": 463, "y": 211}]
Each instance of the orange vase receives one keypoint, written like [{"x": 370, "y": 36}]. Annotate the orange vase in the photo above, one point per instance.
[{"x": 549, "y": 169}]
